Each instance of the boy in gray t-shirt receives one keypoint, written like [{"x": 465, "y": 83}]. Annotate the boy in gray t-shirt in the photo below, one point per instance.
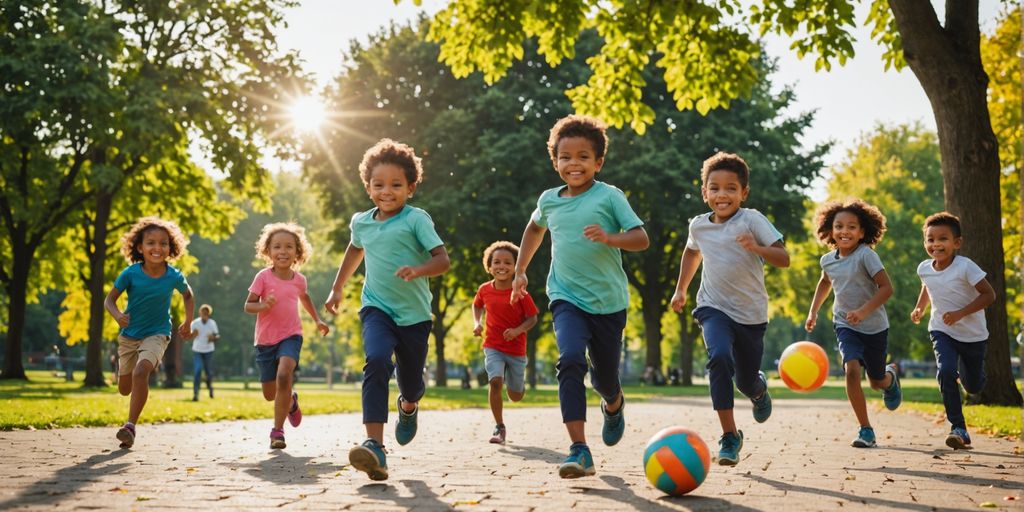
[
  {"x": 861, "y": 287},
  {"x": 732, "y": 304}
]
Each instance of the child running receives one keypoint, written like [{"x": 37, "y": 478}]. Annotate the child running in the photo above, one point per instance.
[
  {"x": 145, "y": 324},
  {"x": 959, "y": 294},
  {"x": 591, "y": 223},
  {"x": 507, "y": 323},
  {"x": 732, "y": 303},
  {"x": 402, "y": 250},
  {"x": 856, "y": 274},
  {"x": 274, "y": 297}
]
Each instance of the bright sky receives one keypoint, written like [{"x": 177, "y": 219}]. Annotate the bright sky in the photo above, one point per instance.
[{"x": 849, "y": 100}]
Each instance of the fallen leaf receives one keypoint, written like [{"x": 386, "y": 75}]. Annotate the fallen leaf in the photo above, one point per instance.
[{"x": 988, "y": 504}]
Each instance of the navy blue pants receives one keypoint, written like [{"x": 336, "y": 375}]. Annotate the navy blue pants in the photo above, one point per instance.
[
  {"x": 382, "y": 339},
  {"x": 579, "y": 333},
  {"x": 734, "y": 350},
  {"x": 970, "y": 358},
  {"x": 202, "y": 361}
]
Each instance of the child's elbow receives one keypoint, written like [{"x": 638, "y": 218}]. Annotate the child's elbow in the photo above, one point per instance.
[{"x": 783, "y": 261}]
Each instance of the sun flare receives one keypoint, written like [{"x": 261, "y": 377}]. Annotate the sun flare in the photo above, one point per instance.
[{"x": 307, "y": 114}]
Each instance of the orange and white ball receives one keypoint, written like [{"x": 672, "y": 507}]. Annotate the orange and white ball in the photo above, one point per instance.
[{"x": 803, "y": 366}]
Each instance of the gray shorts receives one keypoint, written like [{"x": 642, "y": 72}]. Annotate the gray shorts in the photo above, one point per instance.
[{"x": 511, "y": 368}]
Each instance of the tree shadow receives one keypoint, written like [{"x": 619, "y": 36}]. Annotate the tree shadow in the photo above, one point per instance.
[
  {"x": 942, "y": 452},
  {"x": 844, "y": 496},
  {"x": 534, "y": 453},
  {"x": 283, "y": 468},
  {"x": 66, "y": 481},
  {"x": 423, "y": 498},
  {"x": 945, "y": 477}
]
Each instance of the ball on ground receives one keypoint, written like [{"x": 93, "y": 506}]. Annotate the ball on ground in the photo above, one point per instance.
[
  {"x": 803, "y": 366},
  {"x": 676, "y": 460}
]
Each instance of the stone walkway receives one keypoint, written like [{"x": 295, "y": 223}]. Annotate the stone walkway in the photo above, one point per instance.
[{"x": 799, "y": 460}]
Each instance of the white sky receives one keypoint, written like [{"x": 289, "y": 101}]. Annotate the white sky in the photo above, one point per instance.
[{"x": 849, "y": 100}]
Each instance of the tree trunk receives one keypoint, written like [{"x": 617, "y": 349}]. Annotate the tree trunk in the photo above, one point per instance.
[
  {"x": 441, "y": 372},
  {"x": 531, "y": 362},
  {"x": 652, "y": 310},
  {"x": 947, "y": 63},
  {"x": 96, "y": 283},
  {"x": 17, "y": 291},
  {"x": 687, "y": 338}
]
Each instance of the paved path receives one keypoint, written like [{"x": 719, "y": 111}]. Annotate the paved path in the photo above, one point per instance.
[{"x": 799, "y": 460}]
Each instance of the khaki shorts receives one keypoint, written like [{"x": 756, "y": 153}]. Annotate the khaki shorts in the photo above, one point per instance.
[{"x": 130, "y": 352}]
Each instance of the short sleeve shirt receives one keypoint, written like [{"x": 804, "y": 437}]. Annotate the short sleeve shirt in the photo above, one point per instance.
[
  {"x": 853, "y": 281},
  {"x": 502, "y": 315},
  {"x": 201, "y": 343},
  {"x": 281, "y": 321},
  {"x": 585, "y": 273},
  {"x": 951, "y": 289},
  {"x": 731, "y": 277},
  {"x": 404, "y": 239},
  {"x": 149, "y": 300}
]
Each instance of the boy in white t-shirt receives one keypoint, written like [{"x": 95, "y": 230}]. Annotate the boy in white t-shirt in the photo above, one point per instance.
[
  {"x": 959, "y": 294},
  {"x": 204, "y": 335}
]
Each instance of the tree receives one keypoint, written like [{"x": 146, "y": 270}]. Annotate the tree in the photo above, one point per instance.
[{"x": 709, "y": 60}]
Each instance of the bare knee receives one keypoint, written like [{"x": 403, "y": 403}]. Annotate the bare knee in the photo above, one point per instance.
[
  {"x": 270, "y": 391},
  {"x": 853, "y": 371},
  {"x": 496, "y": 383},
  {"x": 284, "y": 380},
  {"x": 124, "y": 385},
  {"x": 516, "y": 396}
]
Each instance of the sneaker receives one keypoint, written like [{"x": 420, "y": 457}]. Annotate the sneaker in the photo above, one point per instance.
[
  {"x": 499, "y": 435},
  {"x": 893, "y": 395},
  {"x": 762, "y": 405},
  {"x": 126, "y": 435},
  {"x": 729, "y": 446},
  {"x": 959, "y": 439},
  {"x": 579, "y": 462},
  {"x": 211, "y": 392},
  {"x": 370, "y": 458},
  {"x": 195, "y": 398},
  {"x": 277, "y": 439},
  {"x": 295, "y": 415},
  {"x": 614, "y": 424},
  {"x": 405, "y": 428},
  {"x": 865, "y": 438}
]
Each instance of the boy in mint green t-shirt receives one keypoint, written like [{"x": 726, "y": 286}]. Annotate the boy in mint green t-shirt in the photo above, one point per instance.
[{"x": 591, "y": 223}]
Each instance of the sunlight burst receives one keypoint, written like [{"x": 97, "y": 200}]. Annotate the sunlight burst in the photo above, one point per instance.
[{"x": 308, "y": 113}]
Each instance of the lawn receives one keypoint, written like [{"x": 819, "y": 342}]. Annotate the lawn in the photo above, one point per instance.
[{"x": 49, "y": 402}]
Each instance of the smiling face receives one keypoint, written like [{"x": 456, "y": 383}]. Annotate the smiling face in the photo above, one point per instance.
[
  {"x": 155, "y": 246},
  {"x": 389, "y": 188},
  {"x": 502, "y": 267},
  {"x": 941, "y": 244},
  {"x": 577, "y": 163},
  {"x": 724, "y": 193},
  {"x": 847, "y": 232},
  {"x": 283, "y": 249}
]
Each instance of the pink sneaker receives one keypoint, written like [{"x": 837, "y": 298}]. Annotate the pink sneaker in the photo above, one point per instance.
[
  {"x": 295, "y": 415},
  {"x": 126, "y": 435},
  {"x": 277, "y": 439},
  {"x": 499, "y": 435}
]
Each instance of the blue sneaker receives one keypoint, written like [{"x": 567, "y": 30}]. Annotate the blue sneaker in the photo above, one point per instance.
[
  {"x": 763, "y": 405},
  {"x": 729, "y": 446},
  {"x": 893, "y": 395},
  {"x": 865, "y": 438},
  {"x": 405, "y": 429},
  {"x": 579, "y": 462},
  {"x": 614, "y": 424},
  {"x": 370, "y": 458},
  {"x": 959, "y": 439}
]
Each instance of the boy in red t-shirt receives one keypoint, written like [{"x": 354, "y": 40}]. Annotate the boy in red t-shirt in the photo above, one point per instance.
[{"x": 507, "y": 323}]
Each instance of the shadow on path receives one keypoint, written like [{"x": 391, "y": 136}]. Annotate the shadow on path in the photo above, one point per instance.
[
  {"x": 942, "y": 453},
  {"x": 623, "y": 493},
  {"x": 423, "y": 498},
  {"x": 534, "y": 453},
  {"x": 843, "y": 496},
  {"x": 66, "y": 481},
  {"x": 283, "y": 468},
  {"x": 945, "y": 477}
]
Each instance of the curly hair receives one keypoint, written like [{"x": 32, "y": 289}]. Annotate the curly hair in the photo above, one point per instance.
[
  {"x": 206, "y": 307},
  {"x": 871, "y": 221},
  {"x": 590, "y": 128},
  {"x": 132, "y": 240},
  {"x": 387, "y": 151},
  {"x": 944, "y": 219},
  {"x": 723, "y": 161},
  {"x": 303, "y": 249},
  {"x": 500, "y": 245}
]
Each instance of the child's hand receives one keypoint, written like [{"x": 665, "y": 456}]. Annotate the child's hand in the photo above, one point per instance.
[
  {"x": 855, "y": 316},
  {"x": 810, "y": 323},
  {"x": 269, "y": 301},
  {"x": 184, "y": 330},
  {"x": 406, "y": 273},
  {"x": 678, "y": 301},
  {"x": 478, "y": 330},
  {"x": 746, "y": 240},
  {"x": 123, "y": 320},
  {"x": 915, "y": 315},
  {"x": 510, "y": 333},
  {"x": 595, "y": 233},
  {"x": 951, "y": 317},
  {"x": 518, "y": 288},
  {"x": 322, "y": 327},
  {"x": 332, "y": 302}
]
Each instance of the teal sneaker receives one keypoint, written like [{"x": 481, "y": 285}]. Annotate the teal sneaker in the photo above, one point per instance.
[
  {"x": 370, "y": 458},
  {"x": 405, "y": 428},
  {"x": 893, "y": 395},
  {"x": 865, "y": 438},
  {"x": 614, "y": 424},
  {"x": 729, "y": 446},
  {"x": 579, "y": 462},
  {"x": 762, "y": 405},
  {"x": 959, "y": 439}
]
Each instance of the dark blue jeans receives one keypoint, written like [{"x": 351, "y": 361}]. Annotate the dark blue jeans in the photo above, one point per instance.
[
  {"x": 202, "y": 362},
  {"x": 579, "y": 333},
  {"x": 970, "y": 358},
  {"x": 382, "y": 339},
  {"x": 734, "y": 350}
]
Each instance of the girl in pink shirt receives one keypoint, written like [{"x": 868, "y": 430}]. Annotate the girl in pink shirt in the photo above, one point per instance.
[{"x": 273, "y": 297}]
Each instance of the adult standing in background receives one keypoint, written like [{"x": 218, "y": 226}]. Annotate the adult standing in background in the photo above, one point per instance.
[{"x": 204, "y": 335}]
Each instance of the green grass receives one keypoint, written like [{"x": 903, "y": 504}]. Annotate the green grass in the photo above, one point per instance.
[{"x": 49, "y": 402}]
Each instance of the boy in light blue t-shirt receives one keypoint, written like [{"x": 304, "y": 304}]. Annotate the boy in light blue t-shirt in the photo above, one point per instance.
[
  {"x": 402, "y": 250},
  {"x": 590, "y": 223}
]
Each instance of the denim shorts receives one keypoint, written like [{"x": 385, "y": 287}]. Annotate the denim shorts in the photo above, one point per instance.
[
  {"x": 507, "y": 366},
  {"x": 267, "y": 356},
  {"x": 869, "y": 349}
]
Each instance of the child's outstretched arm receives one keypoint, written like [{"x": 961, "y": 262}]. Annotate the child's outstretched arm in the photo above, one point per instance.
[
  {"x": 987, "y": 296},
  {"x": 254, "y": 306},
  {"x": 533, "y": 235},
  {"x": 820, "y": 294},
  {"x": 512, "y": 332},
  {"x": 349, "y": 264},
  {"x": 775, "y": 254},
  {"x": 879, "y": 298},
  {"x": 110, "y": 303},
  {"x": 922, "y": 302},
  {"x": 688, "y": 265},
  {"x": 311, "y": 309},
  {"x": 437, "y": 264},
  {"x": 185, "y": 329},
  {"x": 633, "y": 240},
  {"x": 478, "y": 315}
]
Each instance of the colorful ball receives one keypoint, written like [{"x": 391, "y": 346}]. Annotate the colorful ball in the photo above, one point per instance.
[
  {"x": 676, "y": 460},
  {"x": 803, "y": 366}
]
